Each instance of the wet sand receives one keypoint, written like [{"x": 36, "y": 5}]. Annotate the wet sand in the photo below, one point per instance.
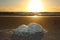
[{"x": 50, "y": 24}]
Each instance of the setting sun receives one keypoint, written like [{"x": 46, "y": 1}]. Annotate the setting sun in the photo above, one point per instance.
[{"x": 35, "y": 6}]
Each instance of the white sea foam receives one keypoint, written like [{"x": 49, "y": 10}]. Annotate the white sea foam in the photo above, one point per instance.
[{"x": 31, "y": 28}]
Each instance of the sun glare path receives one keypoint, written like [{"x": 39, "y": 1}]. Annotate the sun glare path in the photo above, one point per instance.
[
  {"x": 35, "y": 16},
  {"x": 35, "y": 6}
]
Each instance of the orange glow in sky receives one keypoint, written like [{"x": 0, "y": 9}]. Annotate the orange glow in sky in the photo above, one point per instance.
[{"x": 29, "y": 5}]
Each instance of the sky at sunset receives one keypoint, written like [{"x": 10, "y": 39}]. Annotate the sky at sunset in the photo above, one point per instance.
[{"x": 21, "y": 5}]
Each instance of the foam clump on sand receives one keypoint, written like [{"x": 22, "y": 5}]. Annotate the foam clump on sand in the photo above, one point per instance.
[{"x": 32, "y": 31}]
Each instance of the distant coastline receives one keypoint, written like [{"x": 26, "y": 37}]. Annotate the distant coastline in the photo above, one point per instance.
[{"x": 29, "y": 13}]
